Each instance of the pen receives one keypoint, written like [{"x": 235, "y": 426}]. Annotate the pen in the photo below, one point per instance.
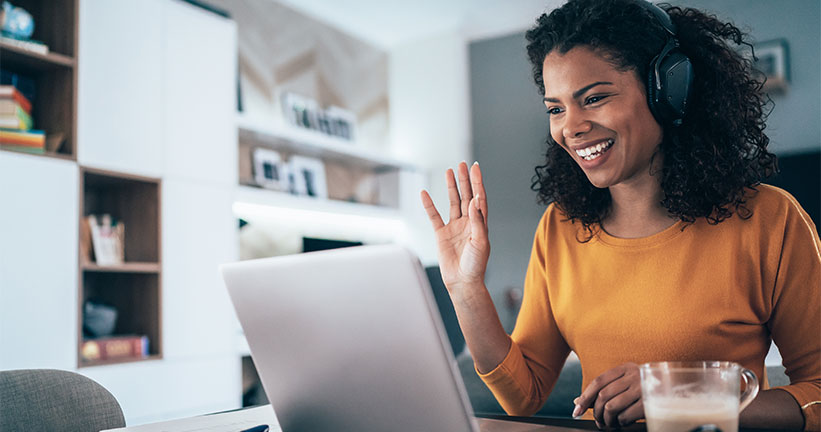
[{"x": 260, "y": 428}]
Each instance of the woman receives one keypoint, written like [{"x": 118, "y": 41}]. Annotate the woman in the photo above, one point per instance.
[{"x": 660, "y": 243}]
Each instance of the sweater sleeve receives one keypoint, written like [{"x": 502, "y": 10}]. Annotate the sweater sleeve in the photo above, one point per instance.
[
  {"x": 796, "y": 314},
  {"x": 524, "y": 379}
]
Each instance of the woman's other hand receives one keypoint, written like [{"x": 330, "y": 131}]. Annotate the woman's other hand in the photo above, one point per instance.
[
  {"x": 462, "y": 242},
  {"x": 615, "y": 397}
]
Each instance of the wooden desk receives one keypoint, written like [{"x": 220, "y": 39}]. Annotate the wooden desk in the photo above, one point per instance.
[
  {"x": 235, "y": 420},
  {"x": 566, "y": 424}
]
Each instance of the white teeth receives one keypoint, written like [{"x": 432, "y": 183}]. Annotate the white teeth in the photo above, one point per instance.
[
  {"x": 593, "y": 152},
  {"x": 591, "y": 157}
]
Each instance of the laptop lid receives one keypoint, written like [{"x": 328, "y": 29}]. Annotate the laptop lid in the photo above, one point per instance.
[{"x": 349, "y": 340}]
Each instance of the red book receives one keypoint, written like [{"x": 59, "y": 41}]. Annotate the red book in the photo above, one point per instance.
[
  {"x": 10, "y": 92},
  {"x": 117, "y": 347}
]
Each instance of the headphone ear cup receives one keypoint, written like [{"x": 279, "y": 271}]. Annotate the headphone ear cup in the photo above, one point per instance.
[
  {"x": 653, "y": 93},
  {"x": 676, "y": 77}
]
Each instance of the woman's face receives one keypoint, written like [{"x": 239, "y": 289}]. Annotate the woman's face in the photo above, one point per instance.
[{"x": 599, "y": 115}]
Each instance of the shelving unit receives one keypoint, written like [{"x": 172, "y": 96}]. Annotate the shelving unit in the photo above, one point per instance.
[
  {"x": 263, "y": 197},
  {"x": 134, "y": 287},
  {"x": 312, "y": 143},
  {"x": 129, "y": 267},
  {"x": 346, "y": 165},
  {"x": 54, "y": 73}
]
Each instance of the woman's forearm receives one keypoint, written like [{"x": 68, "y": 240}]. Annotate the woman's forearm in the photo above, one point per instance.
[
  {"x": 773, "y": 409},
  {"x": 484, "y": 335}
]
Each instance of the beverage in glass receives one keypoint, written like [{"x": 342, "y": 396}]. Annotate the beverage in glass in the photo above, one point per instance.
[{"x": 695, "y": 396}]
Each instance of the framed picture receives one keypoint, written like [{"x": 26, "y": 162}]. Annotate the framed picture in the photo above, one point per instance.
[
  {"x": 270, "y": 171},
  {"x": 308, "y": 176},
  {"x": 342, "y": 122},
  {"x": 306, "y": 113},
  {"x": 773, "y": 60}
]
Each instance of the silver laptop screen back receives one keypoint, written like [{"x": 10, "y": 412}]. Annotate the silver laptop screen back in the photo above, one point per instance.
[{"x": 349, "y": 340}]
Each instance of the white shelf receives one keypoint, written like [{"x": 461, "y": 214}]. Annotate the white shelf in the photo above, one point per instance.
[
  {"x": 312, "y": 143},
  {"x": 273, "y": 199}
]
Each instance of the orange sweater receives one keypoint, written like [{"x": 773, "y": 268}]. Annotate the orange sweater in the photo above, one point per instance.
[{"x": 709, "y": 292}]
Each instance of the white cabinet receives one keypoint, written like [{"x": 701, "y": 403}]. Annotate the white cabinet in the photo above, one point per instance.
[
  {"x": 38, "y": 262},
  {"x": 158, "y": 98},
  {"x": 169, "y": 389},
  {"x": 157, "y": 90},
  {"x": 121, "y": 85},
  {"x": 200, "y": 84},
  {"x": 199, "y": 234}
]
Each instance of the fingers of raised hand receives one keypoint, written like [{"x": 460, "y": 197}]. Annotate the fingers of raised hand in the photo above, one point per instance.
[
  {"x": 478, "y": 188},
  {"x": 453, "y": 195},
  {"x": 478, "y": 228},
  {"x": 430, "y": 209},
  {"x": 464, "y": 187}
]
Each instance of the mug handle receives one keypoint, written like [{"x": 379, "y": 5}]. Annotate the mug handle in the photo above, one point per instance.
[{"x": 751, "y": 388}]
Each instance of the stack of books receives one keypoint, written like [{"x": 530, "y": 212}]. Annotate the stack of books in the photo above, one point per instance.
[
  {"x": 16, "y": 131},
  {"x": 127, "y": 347}
]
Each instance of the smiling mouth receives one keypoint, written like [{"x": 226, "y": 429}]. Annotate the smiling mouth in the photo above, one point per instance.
[{"x": 594, "y": 151}]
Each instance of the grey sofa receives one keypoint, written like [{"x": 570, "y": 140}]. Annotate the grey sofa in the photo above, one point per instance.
[{"x": 559, "y": 403}]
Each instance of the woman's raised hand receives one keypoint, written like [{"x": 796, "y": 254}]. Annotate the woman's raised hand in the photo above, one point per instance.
[{"x": 462, "y": 242}]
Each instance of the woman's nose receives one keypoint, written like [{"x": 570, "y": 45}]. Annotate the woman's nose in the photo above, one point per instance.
[{"x": 576, "y": 124}]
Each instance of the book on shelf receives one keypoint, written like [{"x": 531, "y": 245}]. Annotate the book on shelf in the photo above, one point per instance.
[
  {"x": 86, "y": 257},
  {"x": 33, "y": 139},
  {"x": 8, "y": 91},
  {"x": 26, "y": 44},
  {"x": 25, "y": 86},
  {"x": 17, "y": 119},
  {"x": 115, "y": 347},
  {"x": 11, "y": 106},
  {"x": 23, "y": 149}
]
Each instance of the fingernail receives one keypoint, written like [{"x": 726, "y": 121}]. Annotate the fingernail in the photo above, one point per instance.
[
  {"x": 577, "y": 410},
  {"x": 476, "y": 163},
  {"x": 576, "y": 401}
]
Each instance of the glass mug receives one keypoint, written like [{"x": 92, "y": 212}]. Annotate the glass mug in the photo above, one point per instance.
[{"x": 695, "y": 396}]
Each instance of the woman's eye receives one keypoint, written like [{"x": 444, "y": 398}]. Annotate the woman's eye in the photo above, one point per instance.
[
  {"x": 554, "y": 111},
  {"x": 594, "y": 99}
]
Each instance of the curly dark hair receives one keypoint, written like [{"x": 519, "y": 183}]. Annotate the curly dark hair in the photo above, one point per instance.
[{"x": 709, "y": 161}]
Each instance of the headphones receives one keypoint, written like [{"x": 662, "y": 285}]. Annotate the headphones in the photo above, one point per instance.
[{"x": 670, "y": 74}]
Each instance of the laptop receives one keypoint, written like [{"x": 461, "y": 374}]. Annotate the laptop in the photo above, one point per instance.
[{"x": 352, "y": 340}]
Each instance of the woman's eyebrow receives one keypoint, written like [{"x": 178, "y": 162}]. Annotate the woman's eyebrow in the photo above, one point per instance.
[{"x": 580, "y": 91}]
